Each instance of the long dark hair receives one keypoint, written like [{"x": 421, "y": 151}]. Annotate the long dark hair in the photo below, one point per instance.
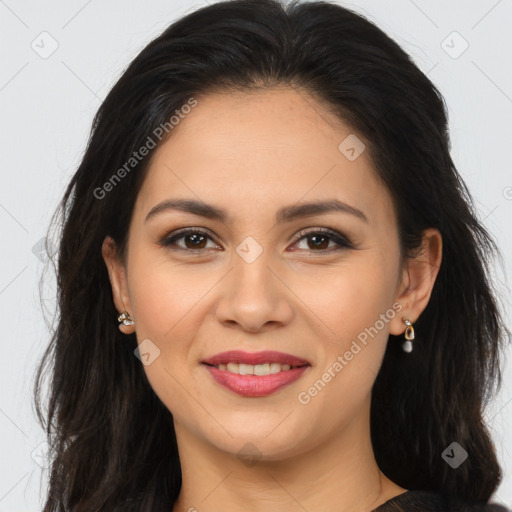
[{"x": 113, "y": 440}]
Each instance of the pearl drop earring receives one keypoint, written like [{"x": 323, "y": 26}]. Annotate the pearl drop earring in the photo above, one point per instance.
[{"x": 409, "y": 336}]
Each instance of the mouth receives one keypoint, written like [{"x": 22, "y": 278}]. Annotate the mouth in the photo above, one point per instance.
[
  {"x": 262, "y": 363},
  {"x": 255, "y": 374},
  {"x": 257, "y": 369}
]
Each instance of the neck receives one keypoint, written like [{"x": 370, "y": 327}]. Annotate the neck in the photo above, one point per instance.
[{"x": 338, "y": 474}]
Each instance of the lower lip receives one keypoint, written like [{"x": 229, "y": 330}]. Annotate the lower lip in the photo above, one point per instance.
[{"x": 255, "y": 385}]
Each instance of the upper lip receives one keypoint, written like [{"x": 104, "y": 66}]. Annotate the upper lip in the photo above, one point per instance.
[{"x": 253, "y": 358}]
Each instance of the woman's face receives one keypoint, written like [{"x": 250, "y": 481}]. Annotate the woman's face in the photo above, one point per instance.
[{"x": 254, "y": 282}]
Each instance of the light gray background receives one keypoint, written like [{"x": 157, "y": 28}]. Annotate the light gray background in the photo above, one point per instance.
[{"x": 47, "y": 106}]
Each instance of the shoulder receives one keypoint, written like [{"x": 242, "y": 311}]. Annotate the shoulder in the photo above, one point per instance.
[{"x": 427, "y": 501}]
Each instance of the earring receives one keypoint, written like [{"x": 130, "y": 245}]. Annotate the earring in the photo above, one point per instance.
[
  {"x": 125, "y": 319},
  {"x": 126, "y": 324},
  {"x": 409, "y": 336}
]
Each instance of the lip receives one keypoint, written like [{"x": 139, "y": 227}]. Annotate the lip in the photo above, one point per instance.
[
  {"x": 255, "y": 385},
  {"x": 265, "y": 356}
]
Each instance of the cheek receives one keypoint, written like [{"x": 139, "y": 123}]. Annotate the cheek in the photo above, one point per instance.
[
  {"x": 352, "y": 347},
  {"x": 164, "y": 294},
  {"x": 350, "y": 297},
  {"x": 164, "y": 301},
  {"x": 353, "y": 332}
]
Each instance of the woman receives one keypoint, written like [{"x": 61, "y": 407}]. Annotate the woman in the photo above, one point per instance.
[{"x": 268, "y": 209}]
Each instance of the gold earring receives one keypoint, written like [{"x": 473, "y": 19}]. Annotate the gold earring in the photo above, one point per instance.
[{"x": 409, "y": 336}]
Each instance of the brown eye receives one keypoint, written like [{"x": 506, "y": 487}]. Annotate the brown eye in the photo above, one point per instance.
[
  {"x": 318, "y": 240},
  {"x": 193, "y": 239}
]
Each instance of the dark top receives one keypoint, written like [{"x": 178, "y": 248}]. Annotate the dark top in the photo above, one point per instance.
[{"x": 425, "y": 501}]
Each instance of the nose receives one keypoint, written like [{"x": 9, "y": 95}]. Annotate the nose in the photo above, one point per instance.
[{"x": 254, "y": 297}]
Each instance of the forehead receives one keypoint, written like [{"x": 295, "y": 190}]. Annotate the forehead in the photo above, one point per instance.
[{"x": 255, "y": 151}]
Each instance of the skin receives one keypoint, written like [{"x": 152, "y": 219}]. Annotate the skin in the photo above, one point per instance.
[{"x": 252, "y": 154}]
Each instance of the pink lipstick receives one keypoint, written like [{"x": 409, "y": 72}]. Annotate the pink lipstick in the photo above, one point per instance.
[{"x": 255, "y": 374}]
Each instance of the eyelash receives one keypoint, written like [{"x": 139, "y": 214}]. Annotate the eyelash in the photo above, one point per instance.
[{"x": 342, "y": 241}]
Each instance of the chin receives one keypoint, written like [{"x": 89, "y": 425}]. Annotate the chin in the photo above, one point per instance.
[{"x": 261, "y": 442}]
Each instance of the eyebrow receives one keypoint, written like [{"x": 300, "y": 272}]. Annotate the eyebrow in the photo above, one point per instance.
[{"x": 285, "y": 214}]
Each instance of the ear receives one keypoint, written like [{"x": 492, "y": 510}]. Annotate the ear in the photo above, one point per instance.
[
  {"x": 418, "y": 278},
  {"x": 118, "y": 281}
]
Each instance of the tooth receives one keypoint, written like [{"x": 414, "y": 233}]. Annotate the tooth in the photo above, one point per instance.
[
  {"x": 249, "y": 369},
  {"x": 232, "y": 367},
  {"x": 262, "y": 369},
  {"x": 246, "y": 369},
  {"x": 275, "y": 367}
]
